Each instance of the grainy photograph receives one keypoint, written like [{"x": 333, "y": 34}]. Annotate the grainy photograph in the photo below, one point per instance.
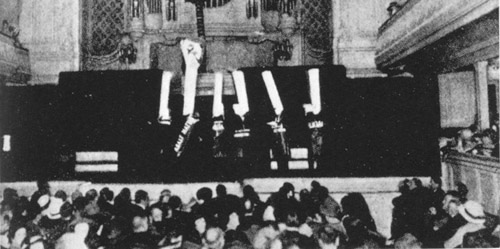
[{"x": 235, "y": 124}]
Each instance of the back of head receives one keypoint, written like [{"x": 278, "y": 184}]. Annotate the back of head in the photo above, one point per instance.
[
  {"x": 79, "y": 203},
  {"x": 204, "y": 194},
  {"x": 43, "y": 184},
  {"x": 61, "y": 195},
  {"x": 287, "y": 187},
  {"x": 175, "y": 202},
  {"x": 106, "y": 194},
  {"x": 315, "y": 185},
  {"x": 407, "y": 241},
  {"x": 140, "y": 223},
  {"x": 125, "y": 195},
  {"x": 437, "y": 180},
  {"x": 91, "y": 194},
  {"x": 140, "y": 195},
  {"x": 214, "y": 238},
  {"x": 221, "y": 190}
]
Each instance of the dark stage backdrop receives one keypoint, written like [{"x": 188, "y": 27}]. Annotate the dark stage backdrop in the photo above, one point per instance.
[{"x": 374, "y": 127}]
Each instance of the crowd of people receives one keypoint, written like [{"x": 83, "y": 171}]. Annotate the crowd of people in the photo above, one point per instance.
[
  {"x": 422, "y": 217},
  {"x": 473, "y": 141}
]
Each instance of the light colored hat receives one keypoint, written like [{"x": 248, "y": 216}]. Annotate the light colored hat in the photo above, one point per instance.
[
  {"x": 53, "y": 212},
  {"x": 472, "y": 212},
  {"x": 43, "y": 201},
  {"x": 269, "y": 214}
]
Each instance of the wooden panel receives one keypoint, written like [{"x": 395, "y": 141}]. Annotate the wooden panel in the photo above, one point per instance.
[
  {"x": 481, "y": 175},
  {"x": 457, "y": 99}
]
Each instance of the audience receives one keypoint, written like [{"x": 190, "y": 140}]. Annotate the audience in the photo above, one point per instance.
[{"x": 422, "y": 217}]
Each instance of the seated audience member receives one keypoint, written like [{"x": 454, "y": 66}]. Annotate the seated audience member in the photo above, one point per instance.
[
  {"x": 437, "y": 195},
  {"x": 418, "y": 208},
  {"x": 328, "y": 238},
  {"x": 195, "y": 232},
  {"x": 307, "y": 208},
  {"x": 253, "y": 207},
  {"x": 358, "y": 235},
  {"x": 74, "y": 240},
  {"x": 141, "y": 200},
  {"x": 354, "y": 205},
  {"x": 4, "y": 230},
  {"x": 204, "y": 204},
  {"x": 233, "y": 235},
  {"x": 435, "y": 211},
  {"x": 292, "y": 240},
  {"x": 465, "y": 143},
  {"x": 157, "y": 225},
  {"x": 175, "y": 216},
  {"x": 163, "y": 200},
  {"x": 114, "y": 233},
  {"x": 43, "y": 189},
  {"x": 473, "y": 213},
  {"x": 140, "y": 237},
  {"x": 484, "y": 238},
  {"x": 172, "y": 240},
  {"x": 407, "y": 241},
  {"x": 21, "y": 211},
  {"x": 17, "y": 236},
  {"x": 123, "y": 204},
  {"x": 51, "y": 224},
  {"x": 104, "y": 202},
  {"x": 225, "y": 203},
  {"x": 401, "y": 207},
  {"x": 315, "y": 187},
  {"x": 462, "y": 191},
  {"x": 444, "y": 228},
  {"x": 330, "y": 210},
  {"x": 283, "y": 202},
  {"x": 265, "y": 235},
  {"x": 92, "y": 208},
  {"x": 213, "y": 239},
  {"x": 61, "y": 195}
]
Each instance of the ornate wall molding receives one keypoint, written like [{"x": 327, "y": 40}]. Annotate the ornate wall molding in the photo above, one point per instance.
[
  {"x": 50, "y": 30},
  {"x": 13, "y": 61},
  {"x": 355, "y": 27},
  {"x": 421, "y": 26}
]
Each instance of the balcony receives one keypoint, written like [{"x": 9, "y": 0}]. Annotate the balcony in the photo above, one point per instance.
[{"x": 438, "y": 35}]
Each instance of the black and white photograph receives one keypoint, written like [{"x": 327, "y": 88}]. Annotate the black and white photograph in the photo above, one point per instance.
[{"x": 240, "y": 124}]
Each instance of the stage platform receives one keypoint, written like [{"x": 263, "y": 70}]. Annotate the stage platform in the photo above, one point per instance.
[{"x": 378, "y": 192}]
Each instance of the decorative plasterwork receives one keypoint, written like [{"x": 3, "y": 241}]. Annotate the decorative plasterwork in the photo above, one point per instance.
[
  {"x": 50, "y": 30},
  {"x": 12, "y": 59},
  {"x": 420, "y": 24}
]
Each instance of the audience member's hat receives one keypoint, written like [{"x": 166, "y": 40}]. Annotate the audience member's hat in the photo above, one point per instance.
[
  {"x": 269, "y": 214},
  {"x": 43, "y": 201},
  {"x": 53, "y": 212},
  {"x": 472, "y": 212},
  {"x": 330, "y": 208},
  {"x": 75, "y": 195},
  {"x": 214, "y": 237}
]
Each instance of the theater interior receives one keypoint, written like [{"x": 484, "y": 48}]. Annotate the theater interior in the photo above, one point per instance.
[{"x": 356, "y": 95}]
